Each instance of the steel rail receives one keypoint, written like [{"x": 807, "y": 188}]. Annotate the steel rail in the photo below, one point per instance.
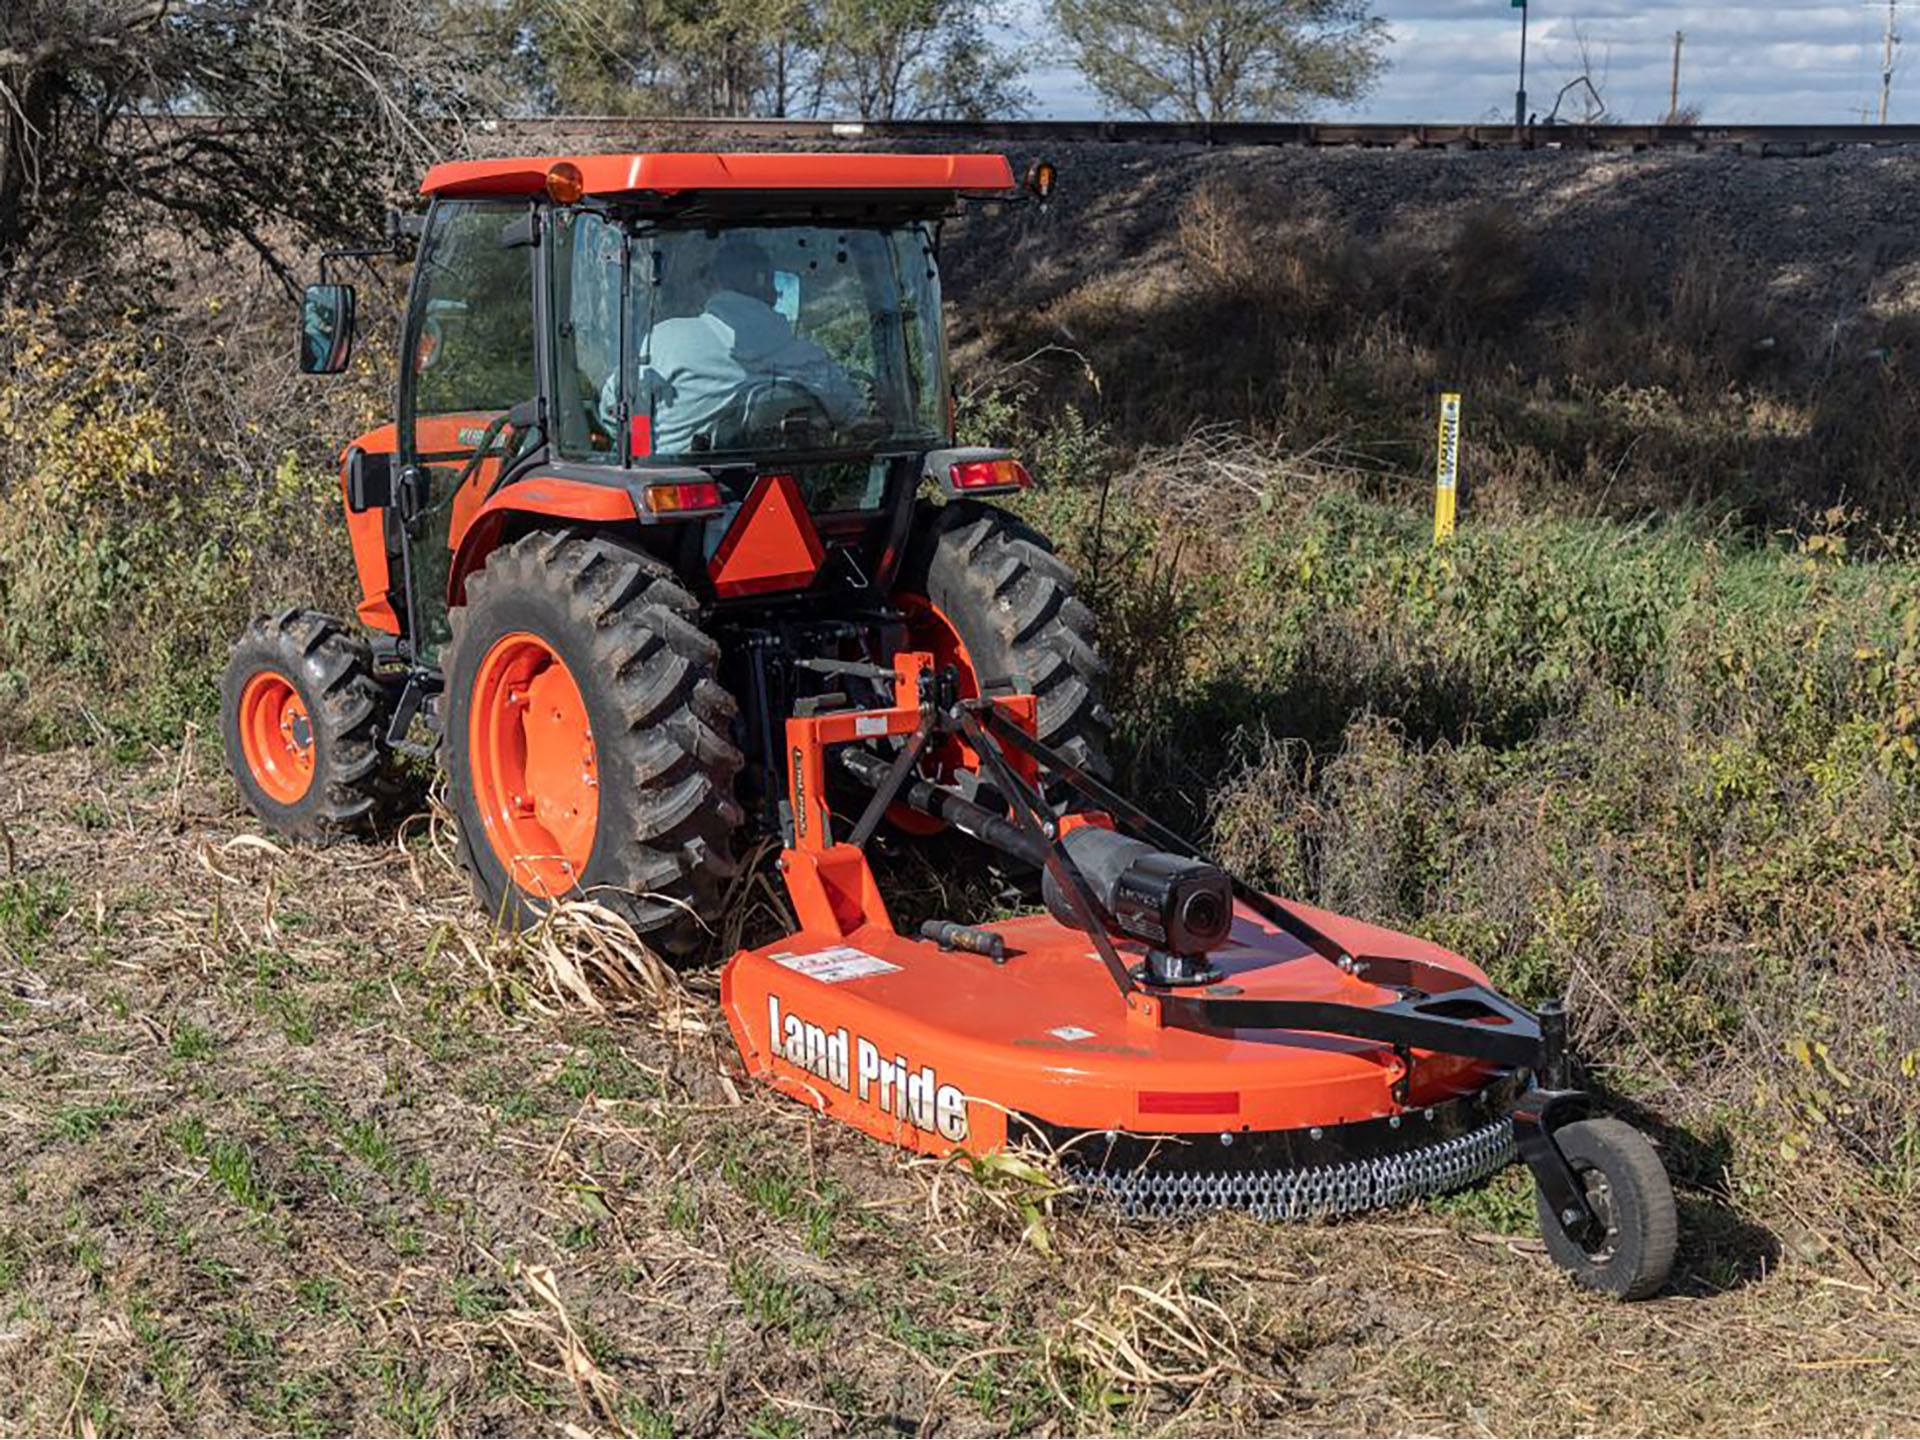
[{"x": 1785, "y": 140}]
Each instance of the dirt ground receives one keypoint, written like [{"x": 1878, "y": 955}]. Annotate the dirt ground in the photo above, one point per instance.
[{"x": 290, "y": 1143}]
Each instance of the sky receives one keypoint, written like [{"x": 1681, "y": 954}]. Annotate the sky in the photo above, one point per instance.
[{"x": 1798, "y": 62}]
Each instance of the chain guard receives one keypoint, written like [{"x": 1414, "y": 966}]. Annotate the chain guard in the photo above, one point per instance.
[{"x": 1350, "y": 1188}]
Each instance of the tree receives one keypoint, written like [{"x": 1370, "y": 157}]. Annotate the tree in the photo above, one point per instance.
[
  {"x": 268, "y": 123},
  {"x": 1589, "y": 71},
  {"x": 870, "y": 58},
  {"x": 654, "y": 57},
  {"x": 912, "y": 60},
  {"x": 1223, "y": 60},
  {"x": 741, "y": 57}
]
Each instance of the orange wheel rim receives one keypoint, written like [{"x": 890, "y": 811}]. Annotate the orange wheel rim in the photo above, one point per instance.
[
  {"x": 535, "y": 777},
  {"x": 276, "y": 737}
]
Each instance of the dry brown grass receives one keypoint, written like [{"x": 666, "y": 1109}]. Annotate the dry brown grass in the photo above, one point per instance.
[{"x": 299, "y": 1143}]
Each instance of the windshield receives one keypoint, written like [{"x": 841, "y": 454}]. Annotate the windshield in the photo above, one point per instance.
[{"x": 795, "y": 338}]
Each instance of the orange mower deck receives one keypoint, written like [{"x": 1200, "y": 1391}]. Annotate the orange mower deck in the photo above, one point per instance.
[
  {"x": 940, "y": 1051},
  {"x": 1023, "y": 1037}
]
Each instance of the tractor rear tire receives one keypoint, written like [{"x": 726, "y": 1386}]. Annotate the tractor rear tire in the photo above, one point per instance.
[
  {"x": 600, "y": 643},
  {"x": 996, "y": 584},
  {"x": 305, "y": 726}
]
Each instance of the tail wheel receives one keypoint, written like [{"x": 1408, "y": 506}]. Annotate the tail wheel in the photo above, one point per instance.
[
  {"x": 305, "y": 722},
  {"x": 1628, "y": 1190},
  {"x": 589, "y": 744},
  {"x": 985, "y": 593}
]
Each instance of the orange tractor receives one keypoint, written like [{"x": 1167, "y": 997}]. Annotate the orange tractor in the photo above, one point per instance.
[{"x": 671, "y": 545}]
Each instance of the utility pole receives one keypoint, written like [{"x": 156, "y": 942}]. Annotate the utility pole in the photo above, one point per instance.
[
  {"x": 1673, "y": 102},
  {"x": 1886, "y": 71},
  {"x": 1520, "y": 97}
]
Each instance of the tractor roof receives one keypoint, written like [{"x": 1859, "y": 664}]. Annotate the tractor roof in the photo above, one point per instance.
[{"x": 685, "y": 174}]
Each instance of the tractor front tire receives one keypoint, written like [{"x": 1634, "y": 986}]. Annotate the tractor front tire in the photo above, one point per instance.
[
  {"x": 588, "y": 741},
  {"x": 984, "y": 589},
  {"x": 305, "y": 726}
]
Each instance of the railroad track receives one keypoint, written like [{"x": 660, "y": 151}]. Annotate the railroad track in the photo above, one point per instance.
[{"x": 1784, "y": 140}]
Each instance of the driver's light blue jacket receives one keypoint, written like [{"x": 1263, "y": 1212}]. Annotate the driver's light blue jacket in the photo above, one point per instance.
[{"x": 697, "y": 364}]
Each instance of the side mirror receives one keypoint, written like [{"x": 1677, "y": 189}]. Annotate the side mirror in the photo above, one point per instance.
[{"x": 326, "y": 329}]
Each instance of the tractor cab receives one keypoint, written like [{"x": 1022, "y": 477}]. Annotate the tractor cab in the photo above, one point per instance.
[
  {"x": 693, "y": 345},
  {"x": 727, "y": 369}
]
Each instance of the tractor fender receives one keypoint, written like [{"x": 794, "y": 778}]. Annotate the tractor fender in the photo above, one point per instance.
[{"x": 550, "y": 495}]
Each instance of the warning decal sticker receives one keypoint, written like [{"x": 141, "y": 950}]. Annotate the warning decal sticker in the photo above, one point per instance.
[{"x": 841, "y": 962}]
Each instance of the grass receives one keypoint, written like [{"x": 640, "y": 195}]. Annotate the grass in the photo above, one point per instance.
[
  {"x": 164, "y": 1361},
  {"x": 777, "y": 1301},
  {"x": 1663, "y": 772},
  {"x": 338, "y": 1238},
  {"x": 230, "y": 1164},
  {"x": 84, "y": 1122},
  {"x": 29, "y": 905},
  {"x": 191, "y": 1042},
  {"x": 1614, "y": 377}
]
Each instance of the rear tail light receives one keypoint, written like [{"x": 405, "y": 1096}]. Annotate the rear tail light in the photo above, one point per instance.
[
  {"x": 682, "y": 496},
  {"x": 979, "y": 475}
]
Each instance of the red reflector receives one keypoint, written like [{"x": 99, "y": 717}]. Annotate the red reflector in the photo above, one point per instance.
[
  {"x": 687, "y": 495},
  {"x": 640, "y": 432},
  {"x": 1180, "y": 1102},
  {"x": 989, "y": 475}
]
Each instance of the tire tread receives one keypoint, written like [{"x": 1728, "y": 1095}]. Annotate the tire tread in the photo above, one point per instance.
[{"x": 995, "y": 575}]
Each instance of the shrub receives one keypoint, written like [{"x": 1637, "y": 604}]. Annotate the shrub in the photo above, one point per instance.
[{"x": 159, "y": 487}]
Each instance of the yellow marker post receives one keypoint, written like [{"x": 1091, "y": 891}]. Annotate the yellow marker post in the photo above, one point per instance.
[{"x": 1446, "y": 486}]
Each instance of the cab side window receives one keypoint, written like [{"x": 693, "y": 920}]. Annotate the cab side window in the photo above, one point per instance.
[{"x": 473, "y": 350}]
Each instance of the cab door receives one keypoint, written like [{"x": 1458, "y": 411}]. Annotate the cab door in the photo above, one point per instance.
[{"x": 470, "y": 359}]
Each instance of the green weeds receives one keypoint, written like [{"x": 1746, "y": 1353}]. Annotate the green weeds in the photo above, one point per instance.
[
  {"x": 84, "y": 1122},
  {"x": 29, "y": 906},
  {"x": 777, "y": 1301},
  {"x": 230, "y": 1164},
  {"x": 190, "y": 1042}
]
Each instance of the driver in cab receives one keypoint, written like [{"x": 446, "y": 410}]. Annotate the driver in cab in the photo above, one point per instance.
[{"x": 697, "y": 366}]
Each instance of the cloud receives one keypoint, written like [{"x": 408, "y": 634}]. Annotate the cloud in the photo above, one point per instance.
[{"x": 1458, "y": 60}]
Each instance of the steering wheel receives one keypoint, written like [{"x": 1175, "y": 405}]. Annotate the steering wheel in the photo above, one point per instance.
[{"x": 761, "y": 409}]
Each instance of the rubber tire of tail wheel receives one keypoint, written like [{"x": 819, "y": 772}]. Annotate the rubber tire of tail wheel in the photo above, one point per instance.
[
  {"x": 356, "y": 783},
  {"x": 662, "y": 852},
  {"x": 1011, "y": 600},
  {"x": 1644, "y": 1224}
]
